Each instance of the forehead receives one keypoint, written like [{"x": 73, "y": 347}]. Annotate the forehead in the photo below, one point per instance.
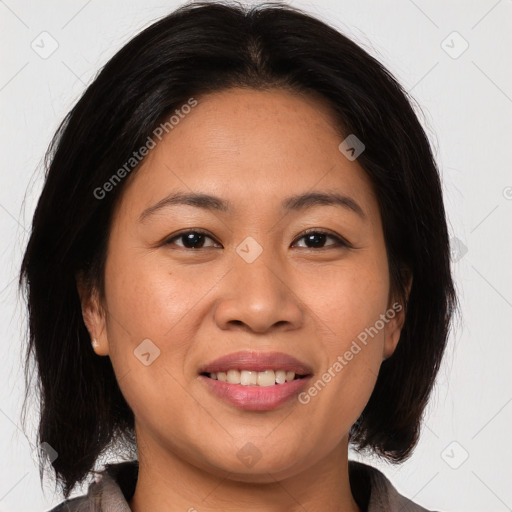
[{"x": 250, "y": 147}]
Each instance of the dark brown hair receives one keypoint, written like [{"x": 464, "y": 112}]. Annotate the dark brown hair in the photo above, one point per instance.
[{"x": 197, "y": 49}]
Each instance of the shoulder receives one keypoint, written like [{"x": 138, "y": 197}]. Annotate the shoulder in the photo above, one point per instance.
[
  {"x": 72, "y": 505},
  {"x": 111, "y": 490},
  {"x": 380, "y": 494}
]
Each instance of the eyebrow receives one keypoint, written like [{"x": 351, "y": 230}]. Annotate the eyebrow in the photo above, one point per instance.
[{"x": 294, "y": 203}]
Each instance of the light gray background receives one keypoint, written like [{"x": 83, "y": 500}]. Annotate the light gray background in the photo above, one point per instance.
[{"x": 466, "y": 106}]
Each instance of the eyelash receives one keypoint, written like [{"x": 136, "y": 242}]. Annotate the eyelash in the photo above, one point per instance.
[{"x": 340, "y": 242}]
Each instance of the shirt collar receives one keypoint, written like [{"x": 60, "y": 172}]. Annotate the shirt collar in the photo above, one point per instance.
[{"x": 115, "y": 486}]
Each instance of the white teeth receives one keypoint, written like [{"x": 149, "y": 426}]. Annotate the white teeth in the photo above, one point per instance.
[
  {"x": 252, "y": 378},
  {"x": 281, "y": 376},
  {"x": 266, "y": 378},
  {"x": 248, "y": 378},
  {"x": 233, "y": 377}
]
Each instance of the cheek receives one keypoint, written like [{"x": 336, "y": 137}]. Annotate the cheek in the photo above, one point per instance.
[
  {"x": 150, "y": 313},
  {"x": 351, "y": 300},
  {"x": 349, "y": 305},
  {"x": 149, "y": 298}
]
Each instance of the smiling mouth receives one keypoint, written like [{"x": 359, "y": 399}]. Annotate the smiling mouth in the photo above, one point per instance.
[{"x": 254, "y": 378}]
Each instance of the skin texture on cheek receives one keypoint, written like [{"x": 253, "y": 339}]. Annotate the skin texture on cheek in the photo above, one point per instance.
[{"x": 190, "y": 306}]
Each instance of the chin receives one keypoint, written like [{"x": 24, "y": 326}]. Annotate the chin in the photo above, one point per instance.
[{"x": 252, "y": 467}]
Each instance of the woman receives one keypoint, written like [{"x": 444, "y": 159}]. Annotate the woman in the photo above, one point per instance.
[{"x": 238, "y": 266}]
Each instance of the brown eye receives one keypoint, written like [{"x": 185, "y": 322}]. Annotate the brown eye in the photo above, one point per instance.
[
  {"x": 316, "y": 239},
  {"x": 190, "y": 240}
]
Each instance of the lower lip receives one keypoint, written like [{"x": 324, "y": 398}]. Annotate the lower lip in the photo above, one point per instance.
[{"x": 256, "y": 398}]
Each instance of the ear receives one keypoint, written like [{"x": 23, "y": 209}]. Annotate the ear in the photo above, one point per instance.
[
  {"x": 94, "y": 315},
  {"x": 396, "y": 318}
]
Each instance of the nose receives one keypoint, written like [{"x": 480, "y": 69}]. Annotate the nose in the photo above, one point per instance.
[{"x": 258, "y": 297}]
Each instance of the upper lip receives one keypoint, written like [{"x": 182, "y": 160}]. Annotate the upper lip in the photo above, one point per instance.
[{"x": 257, "y": 361}]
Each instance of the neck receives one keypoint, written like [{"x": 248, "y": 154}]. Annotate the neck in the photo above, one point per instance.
[{"x": 167, "y": 482}]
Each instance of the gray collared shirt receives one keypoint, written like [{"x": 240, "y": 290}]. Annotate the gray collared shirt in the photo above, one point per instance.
[{"x": 115, "y": 486}]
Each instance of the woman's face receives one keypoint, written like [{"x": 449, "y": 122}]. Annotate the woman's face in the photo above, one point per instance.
[{"x": 250, "y": 283}]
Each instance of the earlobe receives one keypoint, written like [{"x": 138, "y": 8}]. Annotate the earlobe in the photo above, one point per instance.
[
  {"x": 397, "y": 314},
  {"x": 393, "y": 330},
  {"x": 93, "y": 316}
]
